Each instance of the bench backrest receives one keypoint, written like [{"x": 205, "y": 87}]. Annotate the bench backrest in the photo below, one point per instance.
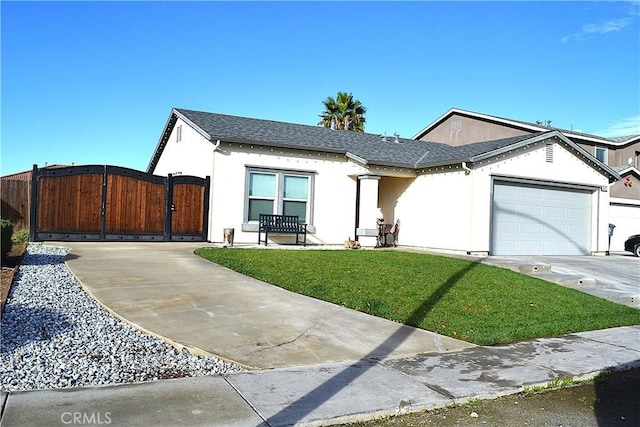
[{"x": 279, "y": 222}]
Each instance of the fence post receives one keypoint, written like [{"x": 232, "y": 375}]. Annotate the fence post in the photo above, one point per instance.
[
  {"x": 103, "y": 207},
  {"x": 33, "y": 207},
  {"x": 205, "y": 209},
  {"x": 168, "y": 207}
]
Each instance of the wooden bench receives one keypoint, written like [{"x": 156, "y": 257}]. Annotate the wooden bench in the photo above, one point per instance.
[{"x": 281, "y": 224}]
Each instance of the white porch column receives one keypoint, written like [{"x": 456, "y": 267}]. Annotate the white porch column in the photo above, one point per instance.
[{"x": 368, "y": 209}]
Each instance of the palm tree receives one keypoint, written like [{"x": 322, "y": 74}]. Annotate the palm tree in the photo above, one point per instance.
[{"x": 343, "y": 112}]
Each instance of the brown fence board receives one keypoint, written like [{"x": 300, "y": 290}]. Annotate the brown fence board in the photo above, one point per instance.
[
  {"x": 134, "y": 206},
  {"x": 188, "y": 200},
  {"x": 16, "y": 202},
  {"x": 70, "y": 204}
]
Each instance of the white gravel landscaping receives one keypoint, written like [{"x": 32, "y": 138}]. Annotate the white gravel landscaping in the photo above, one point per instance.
[{"x": 54, "y": 335}]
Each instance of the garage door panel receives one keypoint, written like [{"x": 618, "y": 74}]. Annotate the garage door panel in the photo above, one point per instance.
[
  {"x": 527, "y": 193},
  {"x": 555, "y": 212},
  {"x": 578, "y": 215},
  {"x": 577, "y": 196},
  {"x": 558, "y": 204},
  {"x": 529, "y": 211},
  {"x": 528, "y": 246},
  {"x": 556, "y": 196},
  {"x": 536, "y": 220},
  {"x": 530, "y": 229},
  {"x": 508, "y": 229},
  {"x": 574, "y": 229}
]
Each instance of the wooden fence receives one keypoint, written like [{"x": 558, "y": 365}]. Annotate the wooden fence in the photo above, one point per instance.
[
  {"x": 16, "y": 202},
  {"x": 116, "y": 203}
]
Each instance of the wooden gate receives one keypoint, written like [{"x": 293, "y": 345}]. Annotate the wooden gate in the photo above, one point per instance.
[{"x": 116, "y": 203}]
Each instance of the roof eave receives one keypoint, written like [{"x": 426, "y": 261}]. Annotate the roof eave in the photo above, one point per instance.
[
  {"x": 449, "y": 162},
  {"x": 597, "y": 139},
  {"x": 276, "y": 144},
  {"x": 356, "y": 158},
  {"x": 162, "y": 141},
  {"x": 628, "y": 169}
]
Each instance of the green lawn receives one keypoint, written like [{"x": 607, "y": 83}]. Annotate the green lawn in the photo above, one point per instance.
[{"x": 462, "y": 299}]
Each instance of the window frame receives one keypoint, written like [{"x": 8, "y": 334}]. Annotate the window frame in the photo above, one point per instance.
[
  {"x": 605, "y": 152},
  {"x": 279, "y": 199}
]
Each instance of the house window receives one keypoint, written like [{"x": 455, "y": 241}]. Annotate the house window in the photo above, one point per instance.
[
  {"x": 601, "y": 154},
  {"x": 295, "y": 196},
  {"x": 456, "y": 125},
  {"x": 262, "y": 194},
  {"x": 278, "y": 192}
]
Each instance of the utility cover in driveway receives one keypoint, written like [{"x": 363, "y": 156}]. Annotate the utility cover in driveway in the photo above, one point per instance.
[{"x": 536, "y": 220}]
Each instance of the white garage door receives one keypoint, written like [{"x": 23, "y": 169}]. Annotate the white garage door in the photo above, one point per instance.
[
  {"x": 536, "y": 220},
  {"x": 626, "y": 218}
]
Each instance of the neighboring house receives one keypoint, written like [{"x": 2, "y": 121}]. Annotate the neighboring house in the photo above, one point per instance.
[
  {"x": 624, "y": 210},
  {"x": 460, "y": 127},
  {"x": 26, "y": 175},
  {"x": 535, "y": 193}
]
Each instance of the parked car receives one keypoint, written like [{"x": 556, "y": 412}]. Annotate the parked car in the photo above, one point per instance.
[{"x": 633, "y": 244}]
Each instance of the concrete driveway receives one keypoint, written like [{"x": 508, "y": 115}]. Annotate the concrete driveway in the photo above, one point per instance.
[
  {"x": 615, "y": 277},
  {"x": 167, "y": 290}
]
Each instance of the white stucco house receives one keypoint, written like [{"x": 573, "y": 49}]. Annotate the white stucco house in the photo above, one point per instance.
[{"x": 538, "y": 193}]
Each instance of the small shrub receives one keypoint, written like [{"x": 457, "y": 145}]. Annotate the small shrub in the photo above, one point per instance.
[
  {"x": 7, "y": 232},
  {"x": 20, "y": 237}
]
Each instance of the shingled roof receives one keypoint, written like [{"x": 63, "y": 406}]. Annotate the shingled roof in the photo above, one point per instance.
[{"x": 366, "y": 148}]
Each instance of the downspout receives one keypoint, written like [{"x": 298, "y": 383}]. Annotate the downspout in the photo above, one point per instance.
[
  {"x": 598, "y": 219},
  {"x": 467, "y": 171},
  {"x": 357, "y": 219},
  {"x": 598, "y": 223}
]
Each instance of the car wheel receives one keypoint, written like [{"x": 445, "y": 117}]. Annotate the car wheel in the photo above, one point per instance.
[{"x": 636, "y": 251}]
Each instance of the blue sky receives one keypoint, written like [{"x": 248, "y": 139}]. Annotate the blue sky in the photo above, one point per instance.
[{"x": 94, "y": 82}]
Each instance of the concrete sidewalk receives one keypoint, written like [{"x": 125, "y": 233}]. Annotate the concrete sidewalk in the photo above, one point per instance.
[{"x": 328, "y": 393}]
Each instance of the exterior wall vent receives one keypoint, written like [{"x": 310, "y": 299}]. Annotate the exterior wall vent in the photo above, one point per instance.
[
  {"x": 456, "y": 125},
  {"x": 549, "y": 153},
  {"x": 179, "y": 133}
]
